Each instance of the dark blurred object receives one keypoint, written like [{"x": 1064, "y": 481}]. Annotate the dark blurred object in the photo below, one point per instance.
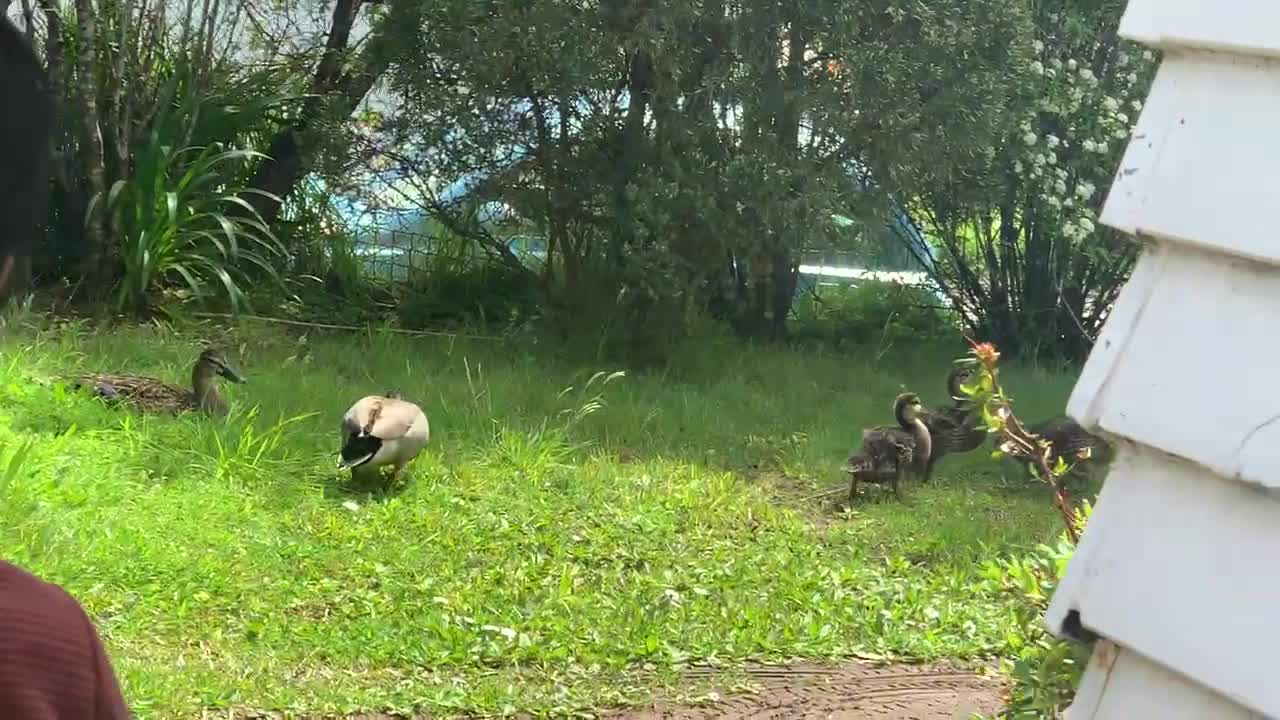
[
  {"x": 52, "y": 664},
  {"x": 25, "y": 129}
]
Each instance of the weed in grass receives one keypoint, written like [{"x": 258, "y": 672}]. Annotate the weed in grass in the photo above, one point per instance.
[{"x": 524, "y": 565}]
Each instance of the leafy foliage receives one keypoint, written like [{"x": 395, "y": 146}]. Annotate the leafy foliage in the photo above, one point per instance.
[
  {"x": 874, "y": 313},
  {"x": 680, "y": 156},
  {"x": 1013, "y": 439},
  {"x": 158, "y": 90},
  {"x": 179, "y": 221},
  {"x": 177, "y": 214},
  {"x": 456, "y": 287},
  {"x": 1045, "y": 670},
  {"x": 1022, "y": 257}
]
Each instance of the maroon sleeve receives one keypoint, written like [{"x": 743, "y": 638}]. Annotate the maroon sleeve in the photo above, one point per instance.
[{"x": 52, "y": 663}]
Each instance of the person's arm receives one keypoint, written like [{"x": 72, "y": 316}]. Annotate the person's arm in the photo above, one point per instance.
[
  {"x": 52, "y": 662},
  {"x": 26, "y": 127}
]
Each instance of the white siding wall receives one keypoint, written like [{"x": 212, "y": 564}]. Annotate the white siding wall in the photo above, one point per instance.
[{"x": 1179, "y": 568}]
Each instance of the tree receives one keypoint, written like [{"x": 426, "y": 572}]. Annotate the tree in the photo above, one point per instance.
[
  {"x": 87, "y": 58},
  {"x": 1023, "y": 259},
  {"x": 681, "y": 154},
  {"x": 341, "y": 80}
]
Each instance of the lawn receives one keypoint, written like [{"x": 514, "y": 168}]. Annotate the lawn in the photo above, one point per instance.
[{"x": 541, "y": 558}]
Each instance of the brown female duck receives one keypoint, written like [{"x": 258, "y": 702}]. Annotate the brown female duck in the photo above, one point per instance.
[{"x": 149, "y": 394}]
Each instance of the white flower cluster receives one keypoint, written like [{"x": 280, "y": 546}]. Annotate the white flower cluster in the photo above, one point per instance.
[
  {"x": 1067, "y": 146},
  {"x": 1077, "y": 228}
]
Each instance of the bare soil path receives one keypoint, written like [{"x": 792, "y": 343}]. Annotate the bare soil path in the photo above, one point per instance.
[
  {"x": 805, "y": 691},
  {"x": 851, "y": 691}
]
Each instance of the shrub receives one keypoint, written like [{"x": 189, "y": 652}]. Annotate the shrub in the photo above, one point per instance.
[
  {"x": 1045, "y": 670},
  {"x": 178, "y": 222},
  {"x": 326, "y": 280},
  {"x": 179, "y": 211},
  {"x": 873, "y": 312},
  {"x": 483, "y": 294}
]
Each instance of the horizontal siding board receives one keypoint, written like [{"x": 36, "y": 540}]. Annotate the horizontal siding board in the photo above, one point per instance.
[
  {"x": 1115, "y": 335},
  {"x": 1250, "y": 27},
  {"x": 1179, "y": 566},
  {"x": 1199, "y": 165},
  {"x": 1131, "y": 186},
  {"x": 1133, "y": 681},
  {"x": 1195, "y": 374}
]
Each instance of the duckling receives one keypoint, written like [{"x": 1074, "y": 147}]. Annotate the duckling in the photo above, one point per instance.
[
  {"x": 956, "y": 429},
  {"x": 1073, "y": 444},
  {"x": 888, "y": 452},
  {"x": 382, "y": 430},
  {"x": 151, "y": 395}
]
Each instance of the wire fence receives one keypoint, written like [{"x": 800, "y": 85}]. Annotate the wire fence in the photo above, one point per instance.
[
  {"x": 395, "y": 254},
  {"x": 398, "y": 255}
]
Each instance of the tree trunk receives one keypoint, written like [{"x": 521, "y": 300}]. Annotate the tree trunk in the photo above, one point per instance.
[
  {"x": 96, "y": 266},
  {"x": 630, "y": 148},
  {"x": 789, "y": 88},
  {"x": 55, "y": 62},
  {"x": 704, "y": 155},
  {"x": 287, "y": 160},
  {"x": 66, "y": 229},
  {"x": 786, "y": 275},
  {"x": 117, "y": 116}
]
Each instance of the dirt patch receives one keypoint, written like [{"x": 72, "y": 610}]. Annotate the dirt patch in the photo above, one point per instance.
[
  {"x": 806, "y": 497},
  {"x": 781, "y": 486},
  {"x": 802, "y": 691},
  {"x": 852, "y": 691}
]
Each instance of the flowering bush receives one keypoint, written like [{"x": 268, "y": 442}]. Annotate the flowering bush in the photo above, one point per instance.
[
  {"x": 1073, "y": 133},
  {"x": 1021, "y": 255}
]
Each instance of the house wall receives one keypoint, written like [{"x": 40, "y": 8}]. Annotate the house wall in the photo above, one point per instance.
[{"x": 1177, "y": 568}]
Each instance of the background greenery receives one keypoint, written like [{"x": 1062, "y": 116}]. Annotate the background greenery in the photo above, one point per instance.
[{"x": 676, "y": 161}]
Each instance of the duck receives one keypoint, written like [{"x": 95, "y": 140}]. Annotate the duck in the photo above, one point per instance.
[
  {"x": 889, "y": 452},
  {"x": 152, "y": 395},
  {"x": 381, "y": 430},
  {"x": 955, "y": 429},
  {"x": 1075, "y": 445}
]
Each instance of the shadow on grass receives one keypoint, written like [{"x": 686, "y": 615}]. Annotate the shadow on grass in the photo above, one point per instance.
[
  {"x": 366, "y": 487},
  {"x": 869, "y": 495}
]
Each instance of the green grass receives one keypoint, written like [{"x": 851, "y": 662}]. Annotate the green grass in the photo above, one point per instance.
[{"x": 533, "y": 562}]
